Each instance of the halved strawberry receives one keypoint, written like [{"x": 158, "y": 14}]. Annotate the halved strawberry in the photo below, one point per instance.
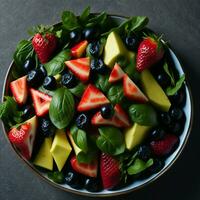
[
  {"x": 80, "y": 68},
  {"x": 83, "y": 168},
  {"x": 19, "y": 90},
  {"x": 78, "y": 50},
  {"x": 110, "y": 172},
  {"x": 119, "y": 119},
  {"x": 23, "y": 137},
  {"x": 116, "y": 74},
  {"x": 41, "y": 102},
  {"x": 92, "y": 98},
  {"x": 131, "y": 91}
]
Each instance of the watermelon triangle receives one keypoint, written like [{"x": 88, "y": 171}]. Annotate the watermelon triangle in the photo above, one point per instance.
[{"x": 116, "y": 74}]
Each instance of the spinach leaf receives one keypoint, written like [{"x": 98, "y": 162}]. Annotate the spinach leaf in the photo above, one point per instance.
[
  {"x": 69, "y": 20},
  {"x": 171, "y": 90},
  {"x": 88, "y": 157},
  {"x": 115, "y": 94},
  {"x": 61, "y": 109},
  {"x": 82, "y": 140},
  {"x": 139, "y": 166},
  {"x": 78, "y": 90},
  {"x": 85, "y": 16},
  {"x": 111, "y": 140},
  {"x": 169, "y": 73},
  {"x": 143, "y": 114},
  {"x": 56, "y": 65},
  {"x": 102, "y": 83}
]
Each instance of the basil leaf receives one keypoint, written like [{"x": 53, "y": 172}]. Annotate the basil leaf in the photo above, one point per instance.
[
  {"x": 98, "y": 19},
  {"x": 56, "y": 65},
  {"x": 82, "y": 140},
  {"x": 61, "y": 109},
  {"x": 49, "y": 92},
  {"x": 88, "y": 157},
  {"x": 111, "y": 140},
  {"x": 139, "y": 166},
  {"x": 137, "y": 23},
  {"x": 69, "y": 20},
  {"x": 169, "y": 73},
  {"x": 115, "y": 94},
  {"x": 143, "y": 114},
  {"x": 101, "y": 82},
  {"x": 78, "y": 90},
  {"x": 170, "y": 91},
  {"x": 57, "y": 177},
  {"x": 85, "y": 15}
]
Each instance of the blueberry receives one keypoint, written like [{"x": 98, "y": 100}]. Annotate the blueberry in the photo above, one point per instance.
[
  {"x": 35, "y": 78},
  {"x": 74, "y": 180},
  {"x": 132, "y": 42},
  {"x": 68, "y": 80},
  {"x": 176, "y": 128},
  {"x": 47, "y": 128},
  {"x": 28, "y": 112},
  {"x": 43, "y": 70},
  {"x": 50, "y": 83},
  {"x": 82, "y": 121},
  {"x": 178, "y": 98},
  {"x": 91, "y": 33},
  {"x": 176, "y": 113},
  {"x": 163, "y": 80},
  {"x": 165, "y": 118},
  {"x": 144, "y": 153},
  {"x": 29, "y": 65},
  {"x": 94, "y": 49},
  {"x": 75, "y": 36},
  {"x": 157, "y": 166},
  {"x": 107, "y": 111},
  {"x": 97, "y": 65},
  {"x": 157, "y": 134},
  {"x": 93, "y": 184}
]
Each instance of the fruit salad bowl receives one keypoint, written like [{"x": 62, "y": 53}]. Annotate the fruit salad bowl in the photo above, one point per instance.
[{"x": 41, "y": 168}]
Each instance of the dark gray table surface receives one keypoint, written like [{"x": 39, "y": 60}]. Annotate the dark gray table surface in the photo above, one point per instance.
[{"x": 180, "y": 23}]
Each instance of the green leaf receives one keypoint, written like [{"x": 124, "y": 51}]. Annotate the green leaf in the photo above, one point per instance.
[
  {"x": 102, "y": 83},
  {"x": 139, "y": 166},
  {"x": 56, "y": 65},
  {"x": 49, "y": 92},
  {"x": 171, "y": 90},
  {"x": 137, "y": 23},
  {"x": 98, "y": 20},
  {"x": 85, "y": 15},
  {"x": 169, "y": 73},
  {"x": 115, "y": 94},
  {"x": 78, "y": 89},
  {"x": 82, "y": 140},
  {"x": 69, "y": 20},
  {"x": 143, "y": 114},
  {"x": 62, "y": 108},
  {"x": 111, "y": 140},
  {"x": 57, "y": 177},
  {"x": 88, "y": 157}
]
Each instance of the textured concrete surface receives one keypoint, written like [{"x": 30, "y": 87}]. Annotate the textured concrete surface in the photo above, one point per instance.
[{"x": 180, "y": 23}]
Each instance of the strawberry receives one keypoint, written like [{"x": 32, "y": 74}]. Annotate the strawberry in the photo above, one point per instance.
[
  {"x": 80, "y": 68},
  {"x": 78, "y": 50},
  {"x": 23, "y": 137},
  {"x": 19, "y": 90},
  {"x": 110, "y": 172},
  {"x": 131, "y": 91},
  {"x": 44, "y": 46},
  {"x": 165, "y": 146},
  {"x": 41, "y": 102},
  {"x": 116, "y": 74},
  {"x": 92, "y": 98},
  {"x": 150, "y": 51},
  {"x": 119, "y": 119},
  {"x": 83, "y": 168}
]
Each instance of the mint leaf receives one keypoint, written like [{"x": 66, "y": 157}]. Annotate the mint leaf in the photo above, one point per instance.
[
  {"x": 171, "y": 90},
  {"x": 139, "y": 166},
  {"x": 101, "y": 82},
  {"x": 78, "y": 89},
  {"x": 69, "y": 20},
  {"x": 88, "y": 157},
  {"x": 85, "y": 15},
  {"x": 57, "y": 177},
  {"x": 115, "y": 94},
  {"x": 82, "y": 140},
  {"x": 111, "y": 140},
  {"x": 169, "y": 73}
]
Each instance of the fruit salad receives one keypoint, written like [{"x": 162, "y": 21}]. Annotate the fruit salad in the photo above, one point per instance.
[{"x": 94, "y": 104}]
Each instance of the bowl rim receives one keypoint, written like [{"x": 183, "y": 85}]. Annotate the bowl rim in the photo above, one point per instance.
[{"x": 115, "y": 192}]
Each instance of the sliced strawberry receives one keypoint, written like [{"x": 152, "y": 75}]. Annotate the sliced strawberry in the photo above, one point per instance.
[
  {"x": 78, "y": 50},
  {"x": 19, "y": 90},
  {"x": 41, "y": 102},
  {"x": 116, "y": 74},
  {"x": 80, "y": 68},
  {"x": 110, "y": 172},
  {"x": 131, "y": 91},
  {"x": 92, "y": 98},
  {"x": 119, "y": 119},
  {"x": 83, "y": 168},
  {"x": 24, "y": 136},
  {"x": 165, "y": 146}
]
